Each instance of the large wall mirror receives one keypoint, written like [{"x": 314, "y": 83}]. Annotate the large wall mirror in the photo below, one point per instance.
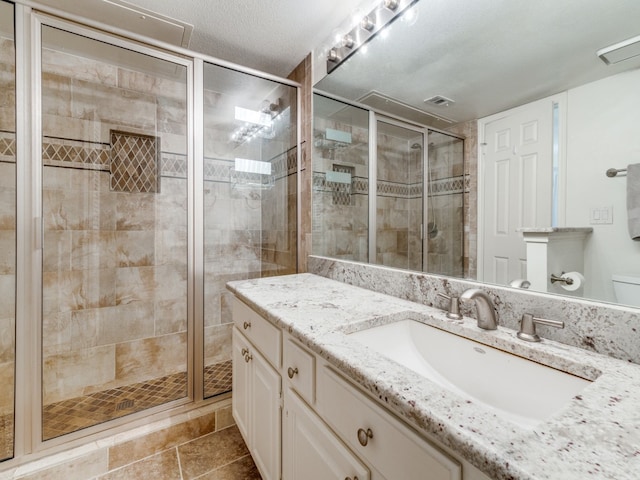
[{"x": 529, "y": 118}]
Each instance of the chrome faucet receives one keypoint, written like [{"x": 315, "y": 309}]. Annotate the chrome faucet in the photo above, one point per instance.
[{"x": 487, "y": 315}]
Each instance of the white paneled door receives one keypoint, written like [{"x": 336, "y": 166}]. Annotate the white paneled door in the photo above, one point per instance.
[{"x": 517, "y": 186}]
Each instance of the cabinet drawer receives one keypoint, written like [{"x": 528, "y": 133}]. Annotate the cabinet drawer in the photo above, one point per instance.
[
  {"x": 384, "y": 442},
  {"x": 299, "y": 369},
  {"x": 265, "y": 337}
]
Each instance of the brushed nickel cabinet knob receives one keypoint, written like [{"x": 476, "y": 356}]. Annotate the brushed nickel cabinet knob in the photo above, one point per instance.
[{"x": 364, "y": 436}]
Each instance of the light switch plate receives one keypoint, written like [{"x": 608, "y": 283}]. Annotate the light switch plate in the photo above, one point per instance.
[{"x": 601, "y": 215}]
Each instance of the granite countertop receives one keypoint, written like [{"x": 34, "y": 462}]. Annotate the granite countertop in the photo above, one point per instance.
[{"x": 597, "y": 435}]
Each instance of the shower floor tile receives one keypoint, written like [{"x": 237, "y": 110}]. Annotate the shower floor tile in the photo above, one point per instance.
[{"x": 81, "y": 412}]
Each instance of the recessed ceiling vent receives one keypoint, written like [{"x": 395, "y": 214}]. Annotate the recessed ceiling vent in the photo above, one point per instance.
[
  {"x": 439, "y": 101},
  {"x": 123, "y": 15}
]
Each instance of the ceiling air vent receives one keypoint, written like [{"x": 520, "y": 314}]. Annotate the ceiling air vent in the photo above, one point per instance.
[{"x": 439, "y": 101}]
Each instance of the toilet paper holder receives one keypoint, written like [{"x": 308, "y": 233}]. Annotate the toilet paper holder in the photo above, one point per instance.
[{"x": 555, "y": 278}]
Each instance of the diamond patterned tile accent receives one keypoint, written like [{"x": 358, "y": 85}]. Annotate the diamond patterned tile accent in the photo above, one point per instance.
[
  {"x": 217, "y": 170},
  {"x": 7, "y": 147},
  {"x": 174, "y": 165},
  {"x": 217, "y": 378},
  {"x": 76, "y": 154},
  {"x": 134, "y": 163},
  {"x": 6, "y": 437},
  {"x": 448, "y": 186},
  {"x": 342, "y": 191},
  {"x": 82, "y": 412}
]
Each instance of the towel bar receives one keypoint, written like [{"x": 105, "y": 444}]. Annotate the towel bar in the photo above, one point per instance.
[{"x": 612, "y": 172}]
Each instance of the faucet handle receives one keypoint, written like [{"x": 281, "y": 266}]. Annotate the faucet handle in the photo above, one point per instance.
[
  {"x": 454, "y": 306},
  {"x": 528, "y": 327}
]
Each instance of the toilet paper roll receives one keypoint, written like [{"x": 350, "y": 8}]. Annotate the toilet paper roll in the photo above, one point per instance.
[{"x": 578, "y": 281}]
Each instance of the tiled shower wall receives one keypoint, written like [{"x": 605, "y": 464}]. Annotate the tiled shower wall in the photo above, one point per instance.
[
  {"x": 249, "y": 219},
  {"x": 114, "y": 262},
  {"x": 340, "y": 212},
  {"x": 448, "y": 185},
  {"x": 7, "y": 244},
  {"x": 399, "y": 204},
  {"x": 469, "y": 130}
]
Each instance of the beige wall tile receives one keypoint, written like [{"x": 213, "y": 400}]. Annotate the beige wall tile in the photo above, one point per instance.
[
  {"x": 67, "y": 375},
  {"x": 7, "y": 372},
  {"x": 56, "y": 254},
  {"x": 93, "y": 250},
  {"x": 151, "y": 358},
  {"x": 73, "y": 210},
  {"x": 150, "y": 283},
  {"x": 126, "y": 108},
  {"x": 217, "y": 343},
  {"x": 135, "y": 211},
  {"x": 54, "y": 61},
  {"x": 171, "y": 316},
  {"x": 117, "y": 324},
  {"x": 57, "y": 333},
  {"x": 135, "y": 248},
  {"x": 7, "y": 252},
  {"x": 77, "y": 290}
]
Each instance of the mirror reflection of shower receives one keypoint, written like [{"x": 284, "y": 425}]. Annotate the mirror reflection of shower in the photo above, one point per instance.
[
  {"x": 432, "y": 224},
  {"x": 385, "y": 191}
]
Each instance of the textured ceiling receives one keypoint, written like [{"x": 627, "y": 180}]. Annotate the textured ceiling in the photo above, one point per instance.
[
  {"x": 488, "y": 55},
  {"x": 273, "y": 36}
]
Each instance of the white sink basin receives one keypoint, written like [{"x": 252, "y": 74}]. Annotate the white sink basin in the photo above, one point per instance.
[{"x": 522, "y": 391}]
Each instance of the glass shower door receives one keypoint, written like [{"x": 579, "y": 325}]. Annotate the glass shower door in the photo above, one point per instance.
[
  {"x": 249, "y": 188},
  {"x": 7, "y": 228},
  {"x": 114, "y": 209},
  {"x": 399, "y": 198}
]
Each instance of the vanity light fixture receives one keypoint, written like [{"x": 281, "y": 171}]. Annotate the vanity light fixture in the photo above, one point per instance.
[
  {"x": 391, "y": 4},
  {"x": 347, "y": 41},
  {"x": 368, "y": 27},
  {"x": 367, "y": 24},
  {"x": 620, "y": 51}
]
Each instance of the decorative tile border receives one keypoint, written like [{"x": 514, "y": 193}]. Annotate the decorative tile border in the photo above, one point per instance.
[
  {"x": 96, "y": 156},
  {"x": 7, "y": 147},
  {"x": 360, "y": 186}
]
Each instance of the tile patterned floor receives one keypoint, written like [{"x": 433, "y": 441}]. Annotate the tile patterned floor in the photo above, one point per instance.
[
  {"x": 221, "y": 455},
  {"x": 82, "y": 412}
]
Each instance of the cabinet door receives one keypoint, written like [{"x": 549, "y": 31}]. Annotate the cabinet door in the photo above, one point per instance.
[
  {"x": 266, "y": 415},
  {"x": 311, "y": 451},
  {"x": 240, "y": 384}
]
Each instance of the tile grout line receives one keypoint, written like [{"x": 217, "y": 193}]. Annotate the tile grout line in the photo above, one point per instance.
[{"x": 223, "y": 466}]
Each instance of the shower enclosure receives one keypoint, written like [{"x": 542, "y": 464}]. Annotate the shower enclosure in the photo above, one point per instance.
[
  {"x": 413, "y": 219},
  {"x": 7, "y": 228},
  {"x": 154, "y": 178}
]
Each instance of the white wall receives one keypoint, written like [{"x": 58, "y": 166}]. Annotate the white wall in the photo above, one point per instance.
[{"x": 603, "y": 131}]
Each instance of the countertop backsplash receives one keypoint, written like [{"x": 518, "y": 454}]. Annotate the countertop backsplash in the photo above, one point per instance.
[{"x": 607, "y": 329}]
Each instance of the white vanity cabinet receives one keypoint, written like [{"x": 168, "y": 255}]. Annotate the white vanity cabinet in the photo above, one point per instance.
[
  {"x": 310, "y": 450},
  {"x": 331, "y": 430},
  {"x": 387, "y": 445},
  {"x": 257, "y": 391}
]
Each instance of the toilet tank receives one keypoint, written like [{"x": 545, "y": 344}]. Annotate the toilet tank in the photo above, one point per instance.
[{"x": 627, "y": 288}]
